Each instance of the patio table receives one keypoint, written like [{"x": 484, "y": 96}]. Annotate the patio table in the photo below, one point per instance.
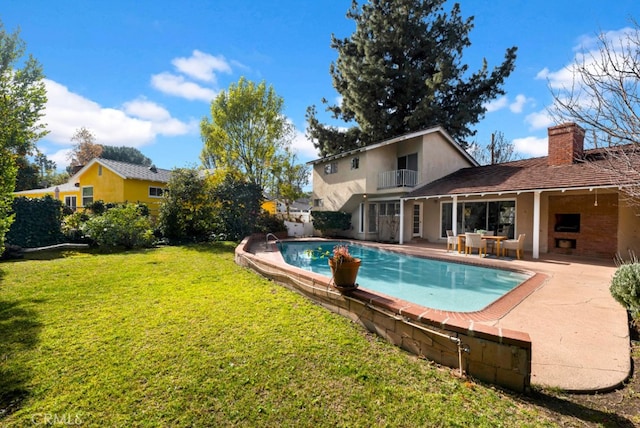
[{"x": 496, "y": 238}]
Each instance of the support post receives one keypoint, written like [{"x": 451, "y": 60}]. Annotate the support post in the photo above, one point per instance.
[
  {"x": 401, "y": 237},
  {"x": 536, "y": 225}
]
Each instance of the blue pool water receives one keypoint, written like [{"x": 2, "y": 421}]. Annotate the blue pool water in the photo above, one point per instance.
[{"x": 432, "y": 283}]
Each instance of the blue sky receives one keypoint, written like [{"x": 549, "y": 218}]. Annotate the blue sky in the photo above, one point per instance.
[{"x": 142, "y": 73}]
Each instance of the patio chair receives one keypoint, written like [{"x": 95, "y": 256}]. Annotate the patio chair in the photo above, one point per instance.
[
  {"x": 452, "y": 241},
  {"x": 514, "y": 244},
  {"x": 474, "y": 240}
]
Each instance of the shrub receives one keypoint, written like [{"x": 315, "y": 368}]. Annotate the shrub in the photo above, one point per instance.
[
  {"x": 37, "y": 222},
  {"x": 269, "y": 223},
  {"x": 625, "y": 288},
  {"x": 187, "y": 210},
  {"x": 331, "y": 222},
  {"x": 72, "y": 226},
  {"x": 123, "y": 226}
]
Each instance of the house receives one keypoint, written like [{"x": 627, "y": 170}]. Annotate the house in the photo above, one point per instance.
[
  {"x": 370, "y": 182},
  {"x": 109, "y": 181},
  {"x": 568, "y": 202}
]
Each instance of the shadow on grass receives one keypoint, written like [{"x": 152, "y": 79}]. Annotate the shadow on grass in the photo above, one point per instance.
[
  {"x": 577, "y": 410},
  {"x": 217, "y": 247},
  {"x": 20, "y": 332}
]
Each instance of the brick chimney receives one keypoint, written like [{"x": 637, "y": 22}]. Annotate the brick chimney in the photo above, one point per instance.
[{"x": 566, "y": 144}]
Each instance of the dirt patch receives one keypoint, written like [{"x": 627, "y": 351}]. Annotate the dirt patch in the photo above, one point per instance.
[{"x": 618, "y": 408}]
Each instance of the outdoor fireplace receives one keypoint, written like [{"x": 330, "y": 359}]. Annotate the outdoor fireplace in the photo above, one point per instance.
[{"x": 567, "y": 223}]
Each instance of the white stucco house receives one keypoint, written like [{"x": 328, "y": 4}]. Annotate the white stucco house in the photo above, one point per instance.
[{"x": 422, "y": 184}]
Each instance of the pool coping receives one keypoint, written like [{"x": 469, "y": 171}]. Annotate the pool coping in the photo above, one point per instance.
[{"x": 493, "y": 311}]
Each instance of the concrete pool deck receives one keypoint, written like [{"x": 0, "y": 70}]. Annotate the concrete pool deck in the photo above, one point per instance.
[{"x": 579, "y": 333}]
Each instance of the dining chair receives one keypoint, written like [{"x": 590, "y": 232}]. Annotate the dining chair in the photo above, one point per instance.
[
  {"x": 474, "y": 240},
  {"x": 452, "y": 241},
  {"x": 513, "y": 244}
]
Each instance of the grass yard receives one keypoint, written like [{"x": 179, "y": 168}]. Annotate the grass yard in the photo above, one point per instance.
[{"x": 181, "y": 336}]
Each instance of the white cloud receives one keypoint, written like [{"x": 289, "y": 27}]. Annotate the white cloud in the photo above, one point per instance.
[
  {"x": 497, "y": 104},
  {"x": 136, "y": 124},
  {"x": 177, "y": 85},
  {"x": 162, "y": 122},
  {"x": 304, "y": 147},
  {"x": 202, "y": 66},
  {"x": 518, "y": 104},
  {"x": 145, "y": 109},
  {"x": 588, "y": 55},
  {"x": 539, "y": 120},
  {"x": 531, "y": 146},
  {"x": 560, "y": 79}
]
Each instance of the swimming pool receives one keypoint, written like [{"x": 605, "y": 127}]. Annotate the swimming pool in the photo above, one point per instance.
[{"x": 431, "y": 283}]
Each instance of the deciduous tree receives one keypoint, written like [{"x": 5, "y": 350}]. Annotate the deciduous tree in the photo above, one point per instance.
[
  {"x": 247, "y": 131},
  {"x": 603, "y": 96},
  {"x": 22, "y": 100},
  {"x": 84, "y": 149},
  {"x": 499, "y": 150},
  {"x": 402, "y": 71}
]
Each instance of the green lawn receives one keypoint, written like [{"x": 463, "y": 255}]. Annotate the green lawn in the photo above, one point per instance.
[{"x": 181, "y": 336}]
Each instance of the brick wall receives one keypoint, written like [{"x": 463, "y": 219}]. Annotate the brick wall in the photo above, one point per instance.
[
  {"x": 598, "y": 225},
  {"x": 566, "y": 143}
]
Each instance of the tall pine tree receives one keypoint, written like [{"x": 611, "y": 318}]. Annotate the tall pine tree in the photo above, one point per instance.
[{"x": 401, "y": 71}]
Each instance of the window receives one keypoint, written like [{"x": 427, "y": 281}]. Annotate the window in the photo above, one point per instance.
[
  {"x": 99, "y": 170},
  {"x": 87, "y": 196},
  {"x": 389, "y": 209},
  {"x": 373, "y": 218},
  {"x": 409, "y": 162},
  {"x": 498, "y": 216},
  {"x": 355, "y": 163},
  {"x": 71, "y": 202},
  {"x": 331, "y": 168},
  {"x": 156, "y": 192},
  {"x": 318, "y": 203}
]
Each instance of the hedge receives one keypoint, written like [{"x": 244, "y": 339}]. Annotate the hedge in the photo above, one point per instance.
[{"x": 37, "y": 222}]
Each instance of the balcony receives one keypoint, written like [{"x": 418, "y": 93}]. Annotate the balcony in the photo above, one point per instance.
[{"x": 397, "y": 178}]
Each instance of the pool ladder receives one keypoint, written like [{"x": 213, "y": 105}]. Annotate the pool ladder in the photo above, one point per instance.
[{"x": 267, "y": 240}]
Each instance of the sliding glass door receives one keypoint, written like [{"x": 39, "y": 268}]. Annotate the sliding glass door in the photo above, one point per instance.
[{"x": 497, "y": 216}]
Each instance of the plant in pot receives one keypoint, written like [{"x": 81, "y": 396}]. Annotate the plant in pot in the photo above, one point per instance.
[{"x": 344, "y": 268}]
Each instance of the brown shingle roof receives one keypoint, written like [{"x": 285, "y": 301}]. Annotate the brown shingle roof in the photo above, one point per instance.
[{"x": 534, "y": 174}]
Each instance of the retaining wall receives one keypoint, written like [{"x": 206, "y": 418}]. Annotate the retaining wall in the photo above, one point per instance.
[{"x": 494, "y": 355}]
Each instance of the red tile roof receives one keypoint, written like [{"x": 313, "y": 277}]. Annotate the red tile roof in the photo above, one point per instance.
[{"x": 598, "y": 169}]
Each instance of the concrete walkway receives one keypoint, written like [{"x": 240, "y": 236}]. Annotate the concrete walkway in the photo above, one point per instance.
[{"x": 579, "y": 333}]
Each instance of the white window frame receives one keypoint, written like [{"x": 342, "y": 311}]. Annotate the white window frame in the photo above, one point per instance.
[
  {"x": 71, "y": 201},
  {"x": 84, "y": 204},
  {"x": 156, "y": 188}
]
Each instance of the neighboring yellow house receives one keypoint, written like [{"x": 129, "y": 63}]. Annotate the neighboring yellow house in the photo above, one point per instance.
[
  {"x": 269, "y": 205},
  {"x": 109, "y": 181}
]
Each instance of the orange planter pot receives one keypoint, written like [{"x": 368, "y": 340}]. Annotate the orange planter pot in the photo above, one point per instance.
[{"x": 345, "y": 273}]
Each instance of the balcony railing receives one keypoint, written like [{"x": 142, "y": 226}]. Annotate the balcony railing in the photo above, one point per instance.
[{"x": 397, "y": 178}]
